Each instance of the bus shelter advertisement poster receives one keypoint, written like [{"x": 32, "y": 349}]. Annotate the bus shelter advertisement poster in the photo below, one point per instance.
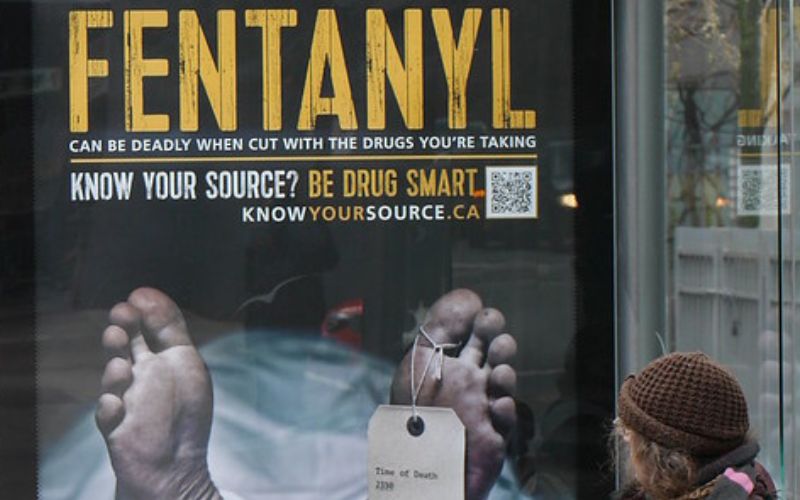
[{"x": 250, "y": 217}]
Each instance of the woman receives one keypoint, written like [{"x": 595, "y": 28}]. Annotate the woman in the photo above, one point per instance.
[{"x": 684, "y": 422}]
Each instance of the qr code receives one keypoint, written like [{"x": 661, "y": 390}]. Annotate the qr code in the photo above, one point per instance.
[
  {"x": 512, "y": 193},
  {"x": 758, "y": 191}
]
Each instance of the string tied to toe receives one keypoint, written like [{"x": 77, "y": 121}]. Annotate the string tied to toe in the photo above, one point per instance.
[{"x": 437, "y": 357}]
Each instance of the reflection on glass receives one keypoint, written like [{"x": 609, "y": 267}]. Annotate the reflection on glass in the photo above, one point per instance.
[{"x": 731, "y": 203}]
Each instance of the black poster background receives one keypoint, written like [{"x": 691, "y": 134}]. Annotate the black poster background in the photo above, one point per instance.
[{"x": 86, "y": 255}]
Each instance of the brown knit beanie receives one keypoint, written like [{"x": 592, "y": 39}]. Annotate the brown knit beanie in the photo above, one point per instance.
[{"x": 686, "y": 401}]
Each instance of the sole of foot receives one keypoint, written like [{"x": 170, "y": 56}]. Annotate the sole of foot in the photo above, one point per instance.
[
  {"x": 478, "y": 381},
  {"x": 156, "y": 403}
]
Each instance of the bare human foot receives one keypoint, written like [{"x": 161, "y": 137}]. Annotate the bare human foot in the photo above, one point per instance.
[
  {"x": 477, "y": 382},
  {"x": 156, "y": 406}
]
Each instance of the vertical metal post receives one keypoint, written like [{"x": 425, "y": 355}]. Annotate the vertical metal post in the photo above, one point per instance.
[{"x": 640, "y": 179}]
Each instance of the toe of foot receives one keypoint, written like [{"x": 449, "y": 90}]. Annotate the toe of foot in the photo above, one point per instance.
[
  {"x": 502, "y": 350},
  {"x": 109, "y": 413},
  {"x": 504, "y": 414}
]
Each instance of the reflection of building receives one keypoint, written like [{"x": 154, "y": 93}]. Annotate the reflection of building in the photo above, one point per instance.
[
  {"x": 726, "y": 303},
  {"x": 723, "y": 212}
]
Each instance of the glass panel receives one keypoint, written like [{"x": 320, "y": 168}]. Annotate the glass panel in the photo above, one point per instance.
[
  {"x": 788, "y": 186},
  {"x": 305, "y": 289},
  {"x": 730, "y": 278}
]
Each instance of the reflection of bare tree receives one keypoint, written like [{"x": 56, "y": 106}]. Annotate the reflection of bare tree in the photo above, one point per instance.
[
  {"x": 700, "y": 182},
  {"x": 712, "y": 56},
  {"x": 712, "y": 23}
]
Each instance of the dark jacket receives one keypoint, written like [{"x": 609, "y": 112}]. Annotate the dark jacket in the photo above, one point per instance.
[{"x": 733, "y": 476}]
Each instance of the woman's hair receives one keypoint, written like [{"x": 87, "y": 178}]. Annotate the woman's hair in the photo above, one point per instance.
[{"x": 660, "y": 472}]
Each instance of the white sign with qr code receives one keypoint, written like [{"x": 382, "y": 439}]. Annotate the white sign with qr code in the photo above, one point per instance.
[
  {"x": 761, "y": 190},
  {"x": 512, "y": 192}
]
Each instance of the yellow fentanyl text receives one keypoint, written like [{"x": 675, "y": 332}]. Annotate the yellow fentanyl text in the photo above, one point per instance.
[{"x": 208, "y": 66}]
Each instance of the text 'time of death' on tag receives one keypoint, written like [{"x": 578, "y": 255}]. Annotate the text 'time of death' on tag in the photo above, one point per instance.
[{"x": 424, "y": 461}]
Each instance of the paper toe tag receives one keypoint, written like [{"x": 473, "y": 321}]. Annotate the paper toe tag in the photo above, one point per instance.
[{"x": 429, "y": 466}]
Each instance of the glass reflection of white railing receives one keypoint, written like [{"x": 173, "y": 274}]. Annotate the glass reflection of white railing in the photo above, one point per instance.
[{"x": 726, "y": 302}]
